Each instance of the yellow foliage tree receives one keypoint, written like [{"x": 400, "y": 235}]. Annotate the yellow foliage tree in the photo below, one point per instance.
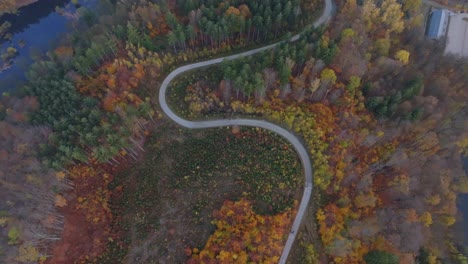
[
  {"x": 426, "y": 219},
  {"x": 382, "y": 46},
  {"x": 28, "y": 253},
  {"x": 403, "y": 56},
  {"x": 7, "y": 6},
  {"x": 328, "y": 75},
  {"x": 233, "y": 11},
  {"x": 348, "y": 33},
  {"x": 389, "y": 15},
  {"x": 411, "y": 5},
  {"x": 370, "y": 13},
  {"x": 433, "y": 200},
  {"x": 448, "y": 220},
  {"x": 462, "y": 185},
  {"x": 463, "y": 145},
  {"x": 392, "y": 16},
  {"x": 365, "y": 200}
]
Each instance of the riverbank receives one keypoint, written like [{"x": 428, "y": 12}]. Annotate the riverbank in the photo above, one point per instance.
[
  {"x": 12, "y": 6},
  {"x": 463, "y": 205},
  {"x": 22, "y": 3},
  {"x": 33, "y": 31}
]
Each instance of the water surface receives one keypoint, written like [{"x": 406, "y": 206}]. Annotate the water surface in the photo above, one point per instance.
[
  {"x": 39, "y": 28},
  {"x": 462, "y": 201}
]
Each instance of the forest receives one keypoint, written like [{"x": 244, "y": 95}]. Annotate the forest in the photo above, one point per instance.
[{"x": 93, "y": 171}]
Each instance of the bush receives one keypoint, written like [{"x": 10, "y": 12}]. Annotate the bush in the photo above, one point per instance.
[
  {"x": 380, "y": 257},
  {"x": 13, "y": 235}
]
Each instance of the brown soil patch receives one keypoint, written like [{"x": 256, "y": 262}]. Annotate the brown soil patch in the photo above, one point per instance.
[
  {"x": 87, "y": 217},
  {"x": 79, "y": 238}
]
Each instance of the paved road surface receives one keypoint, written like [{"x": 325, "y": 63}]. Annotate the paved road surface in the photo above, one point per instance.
[
  {"x": 450, "y": 6},
  {"x": 300, "y": 148}
]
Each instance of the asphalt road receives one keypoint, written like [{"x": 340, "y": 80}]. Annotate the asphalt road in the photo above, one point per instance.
[
  {"x": 451, "y": 4},
  {"x": 289, "y": 136}
]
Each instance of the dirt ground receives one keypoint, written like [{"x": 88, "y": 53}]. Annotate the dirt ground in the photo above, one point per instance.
[
  {"x": 75, "y": 242},
  {"x": 87, "y": 216}
]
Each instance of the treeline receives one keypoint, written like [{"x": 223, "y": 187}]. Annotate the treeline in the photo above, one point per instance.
[
  {"x": 219, "y": 24},
  {"x": 88, "y": 106},
  {"x": 255, "y": 74},
  {"x": 82, "y": 131},
  {"x": 383, "y": 41},
  {"x": 195, "y": 24},
  {"x": 29, "y": 219},
  {"x": 99, "y": 50},
  {"x": 387, "y": 106},
  {"x": 385, "y": 121},
  {"x": 72, "y": 98},
  {"x": 246, "y": 21}
]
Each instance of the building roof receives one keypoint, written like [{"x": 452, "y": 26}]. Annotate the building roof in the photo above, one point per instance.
[
  {"x": 434, "y": 23},
  {"x": 457, "y": 35}
]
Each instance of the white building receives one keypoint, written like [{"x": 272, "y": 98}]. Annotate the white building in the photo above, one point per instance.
[{"x": 457, "y": 35}]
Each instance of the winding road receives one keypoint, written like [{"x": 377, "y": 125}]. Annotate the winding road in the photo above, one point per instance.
[{"x": 300, "y": 148}]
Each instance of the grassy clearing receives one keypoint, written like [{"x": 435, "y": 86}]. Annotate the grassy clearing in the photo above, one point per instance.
[
  {"x": 165, "y": 203},
  {"x": 257, "y": 160}
]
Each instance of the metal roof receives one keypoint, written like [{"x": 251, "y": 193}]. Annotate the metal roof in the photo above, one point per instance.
[{"x": 434, "y": 24}]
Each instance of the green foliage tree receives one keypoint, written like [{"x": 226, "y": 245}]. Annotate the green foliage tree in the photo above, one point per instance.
[
  {"x": 354, "y": 83},
  {"x": 171, "y": 20},
  {"x": 326, "y": 53},
  {"x": 172, "y": 40},
  {"x": 412, "y": 88},
  {"x": 13, "y": 235},
  {"x": 180, "y": 35},
  {"x": 133, "y": 35},
  {"x": 416, "y": 114},
  {"x": 380, "y": 257}
]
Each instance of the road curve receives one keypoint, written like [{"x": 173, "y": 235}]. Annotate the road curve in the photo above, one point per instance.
[{"x": 298, "y": 146}]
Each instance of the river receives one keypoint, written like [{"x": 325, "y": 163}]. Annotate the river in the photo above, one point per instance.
[
  {"x": 35, "y": 29},
  {"x": 462, "y": 201}
]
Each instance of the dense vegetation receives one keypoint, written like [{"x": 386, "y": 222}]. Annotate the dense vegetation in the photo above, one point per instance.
[
  {"x": 88, "y": 112},
  {"x": 381, "y": 110},
  {"x": 381, "y": 123},
  {"x": 74, "y": 105},
  {"x": 196, "y": 172}
]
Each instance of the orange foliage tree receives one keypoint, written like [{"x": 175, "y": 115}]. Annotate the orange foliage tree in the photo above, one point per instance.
[
  {"x": 243, "y": 236},
  {"x": 114, "y": 84},
  {"x": 90, "y": 204}
]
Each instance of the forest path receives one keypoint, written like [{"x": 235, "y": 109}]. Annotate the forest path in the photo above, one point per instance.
[{"x": 289, "y": 136}]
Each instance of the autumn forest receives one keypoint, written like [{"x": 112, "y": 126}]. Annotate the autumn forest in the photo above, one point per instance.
[{"x": 94, "y": 170}]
